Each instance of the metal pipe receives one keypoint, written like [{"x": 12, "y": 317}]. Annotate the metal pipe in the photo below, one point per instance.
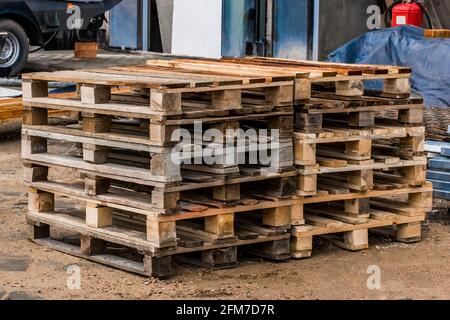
[
  {"x": 316, "y": 30},
  {"x": 269, "y": 28},
  {"x": 16, "y": 82},
  {"x": 145, "y": 24}
]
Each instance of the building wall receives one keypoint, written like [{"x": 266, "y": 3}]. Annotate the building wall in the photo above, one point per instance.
[
  {"x": 338, "y": 22},
  {"x": 197, "y": 28},
  {"x": 165, "y": 11}
]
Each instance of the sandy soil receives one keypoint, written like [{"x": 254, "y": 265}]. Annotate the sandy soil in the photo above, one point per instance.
[{"x": 416, "y": 271}]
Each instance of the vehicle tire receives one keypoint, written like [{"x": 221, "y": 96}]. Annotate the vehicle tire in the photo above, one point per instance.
[{"x": 15, "y": 49}]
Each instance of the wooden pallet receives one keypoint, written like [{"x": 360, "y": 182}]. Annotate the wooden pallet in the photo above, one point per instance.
[
  {"x": 137, "y": 161},
  {"x": 344, "y": 80},
  {"x": 354, "y": 237},
  {"x": 347, "y": 219},
  {"x": 159, "y": 92},
  {"x": 339, "y": 159},
  {"x": 152, "y": 128},
  {"x": 354, "y": 207},
  {"x": 440, "y": 33},
  {"x": 359, "y": 144},
  {"x": 217, "y": 239},
  {"x": 364, "y": 112},
  {"x": 210, "y": 233},
  {"x": 162, "y": 197},
  {"x": 361, "y": 177}
]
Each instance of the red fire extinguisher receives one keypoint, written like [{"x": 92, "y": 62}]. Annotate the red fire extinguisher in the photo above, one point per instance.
[{"x": 406, "y": 12}]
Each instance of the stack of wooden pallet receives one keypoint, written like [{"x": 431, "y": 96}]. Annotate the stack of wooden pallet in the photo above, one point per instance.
[
  {"x": 439, "y": 167},
  {"x": 359, "y": 153},
  {"x": 360, "y": 159},
  {"x": 126, "y": 191}
]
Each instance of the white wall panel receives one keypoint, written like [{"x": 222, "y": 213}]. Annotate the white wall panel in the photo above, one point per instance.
[{"x": 197, "y": 28}]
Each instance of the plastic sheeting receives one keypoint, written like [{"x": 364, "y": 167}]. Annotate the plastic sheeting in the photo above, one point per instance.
[{"x": 405, "y": 46}]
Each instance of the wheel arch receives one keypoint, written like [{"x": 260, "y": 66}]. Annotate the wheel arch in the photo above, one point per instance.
[{"x": 30, "y": 27}]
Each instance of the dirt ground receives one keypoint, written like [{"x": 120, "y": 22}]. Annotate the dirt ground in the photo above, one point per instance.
[{"x": 408, "y": 271}]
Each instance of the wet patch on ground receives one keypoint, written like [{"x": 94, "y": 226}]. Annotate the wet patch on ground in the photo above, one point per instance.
[
  {"x": 14, "y": 263},
  {"x": 22, "y": 295}
]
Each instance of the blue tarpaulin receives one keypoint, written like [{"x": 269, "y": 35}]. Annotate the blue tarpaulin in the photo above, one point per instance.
[{"x": 405, "y": 46}]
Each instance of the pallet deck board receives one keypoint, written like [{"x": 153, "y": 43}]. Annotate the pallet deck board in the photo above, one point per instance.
[
  {"x": 114, "y": 140},
  {"x": 356, "y": 167},
  {"x": 121, "y": 110},
  {"x": 165, "y": 82},
  {"x": 366, "y": 68},
  {"x": 106, "y": 259},
  {"x": 321, "y": 110},
  {"x": 120, "y": 172},
  {"x": 376, "y": 133}
]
